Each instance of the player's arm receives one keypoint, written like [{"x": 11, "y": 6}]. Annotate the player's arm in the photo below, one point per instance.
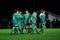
[
  {"x": 32, "y": 20},
  {"x": 21, "y": 16},
  {"x": 13, "y": 16},
  {"x": 35, "y": 21}
]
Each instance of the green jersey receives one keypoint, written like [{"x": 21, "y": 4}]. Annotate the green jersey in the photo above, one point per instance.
[
  {"x": 16, "y": 18},
  {"x": 19, "y": 18},
  {"x": 33, "y": 18},
  {"x": 26, "y": 16},
  {"x": 42, "y": 18}
]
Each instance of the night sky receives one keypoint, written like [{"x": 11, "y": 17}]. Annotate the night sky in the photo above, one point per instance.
[{"x": 7, "y": 7}]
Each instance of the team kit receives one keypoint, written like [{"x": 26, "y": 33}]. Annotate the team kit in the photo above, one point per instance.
[{"x": 26, "y": 21}]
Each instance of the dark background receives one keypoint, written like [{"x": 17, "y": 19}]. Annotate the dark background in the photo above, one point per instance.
[{"x": 7, "y": 7}]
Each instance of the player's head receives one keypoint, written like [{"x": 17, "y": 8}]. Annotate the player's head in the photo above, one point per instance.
[
  {"x": 34, "y": 13},
  {"x": 20, "y": 12},
  {"x": 27, "y": 11},
  {"x": 17, "y": 11},
  {"x": 42, "y": 11}
]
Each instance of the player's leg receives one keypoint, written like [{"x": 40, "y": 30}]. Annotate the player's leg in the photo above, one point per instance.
[
  {"x": 20, "y": 30},
  {"x": 16, "y": 30},
  {"x": 19, "y": 25},
  {"x": 32, "y": 27},
  {"x": 36, "y": 29},
  {"x": 22, "y": 27},
  {"x": 26, "y": 25},
  {"x": 29, "y": 29},
  {"x": 43, "y": 27},
  {"x": 13, "y": 30}
]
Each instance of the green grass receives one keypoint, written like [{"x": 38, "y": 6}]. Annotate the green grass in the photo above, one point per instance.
[{"x": 49, "y": 34}]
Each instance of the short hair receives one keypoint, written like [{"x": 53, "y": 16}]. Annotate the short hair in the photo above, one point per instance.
[{"x": 42, "y": 11}]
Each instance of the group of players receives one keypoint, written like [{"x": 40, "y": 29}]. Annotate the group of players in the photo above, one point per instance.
[{"x": 26, "y": 21}]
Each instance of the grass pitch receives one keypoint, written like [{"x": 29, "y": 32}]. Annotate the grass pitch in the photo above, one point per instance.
[{"x": 49, "y": 34}]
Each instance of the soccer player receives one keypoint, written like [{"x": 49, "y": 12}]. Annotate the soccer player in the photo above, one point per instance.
[
  {"x": 33, "y": 22},
  {"x": 42, "y": 20},
  {"x": 20, "y": 22},
  {"x": 15, "y": 23},
  {"x": 26, "y": 17}
]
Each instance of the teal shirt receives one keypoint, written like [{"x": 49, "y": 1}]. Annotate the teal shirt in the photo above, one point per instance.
[
  {"x": 42, "y": 18},
  {"x": 33, "y": 17},
  {"x": 16, "y": 18},
  {"x": 20, "y": 18},
  {"x": 26, "y": 16}
]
